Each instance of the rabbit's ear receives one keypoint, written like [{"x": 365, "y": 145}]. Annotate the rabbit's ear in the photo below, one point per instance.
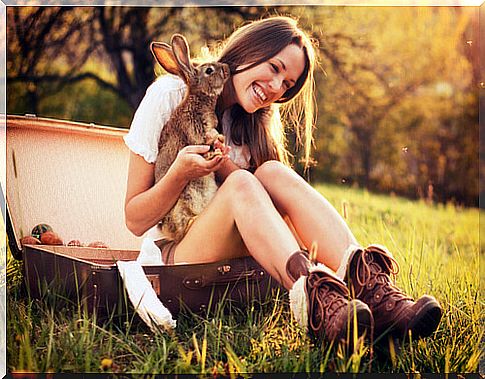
[
  {"x": 181, "y": 52},
  {"x": 164, "y": 55}
]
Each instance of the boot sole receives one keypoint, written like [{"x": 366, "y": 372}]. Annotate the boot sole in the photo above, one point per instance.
[{"x": 427, "y": 317}]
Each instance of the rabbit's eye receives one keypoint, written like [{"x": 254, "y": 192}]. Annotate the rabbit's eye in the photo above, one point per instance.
[{"x": 209, "y": 70}]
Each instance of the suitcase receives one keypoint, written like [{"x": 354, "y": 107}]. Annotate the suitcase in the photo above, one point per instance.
[{"x": 72, "y": 176}]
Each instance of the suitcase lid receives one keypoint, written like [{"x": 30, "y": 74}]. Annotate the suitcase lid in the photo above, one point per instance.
[{"x": 69, "y": 175}]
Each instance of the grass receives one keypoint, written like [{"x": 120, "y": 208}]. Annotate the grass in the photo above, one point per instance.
[{"x": 437, "y": 246}]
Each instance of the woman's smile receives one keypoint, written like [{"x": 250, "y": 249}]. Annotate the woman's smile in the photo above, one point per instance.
[{"x": 259, "y": 93}]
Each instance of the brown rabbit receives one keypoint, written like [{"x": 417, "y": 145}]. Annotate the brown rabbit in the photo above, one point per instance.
[{"x": 193, "y": 122}]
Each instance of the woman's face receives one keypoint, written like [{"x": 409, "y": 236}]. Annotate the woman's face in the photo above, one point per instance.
[{"x": 266, "y": 83}]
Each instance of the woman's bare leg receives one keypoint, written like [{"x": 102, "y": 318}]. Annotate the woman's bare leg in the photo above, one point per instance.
[
  {"x": 241, "y": 219},
  {"x": 312, "y": 216},
  {"x": 316, "y": 220}
]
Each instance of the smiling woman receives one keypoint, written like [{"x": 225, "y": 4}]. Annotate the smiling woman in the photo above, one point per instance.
[
  {"x": 272, "y": 61},
  {"x": 262, "y": 208}
]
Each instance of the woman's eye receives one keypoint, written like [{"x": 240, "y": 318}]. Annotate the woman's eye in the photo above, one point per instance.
[
  {"x": 275, "y": 68},
  {"x": 209, "y": 70}
]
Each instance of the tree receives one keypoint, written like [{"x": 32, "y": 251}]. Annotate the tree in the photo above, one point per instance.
[
  {"x": 40, "y": 36},
  {"x": 386, "y": 92},
  {"x": 35, "y": 36}
]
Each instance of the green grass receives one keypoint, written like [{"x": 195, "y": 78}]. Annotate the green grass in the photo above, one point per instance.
[{"x": 438, "y": 248}]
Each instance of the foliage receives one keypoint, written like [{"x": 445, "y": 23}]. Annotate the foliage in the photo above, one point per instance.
[
  {"x": 397, "y": 89},
  {"x": 437, "y": 247},
  {"x": 395, "y": 113}
]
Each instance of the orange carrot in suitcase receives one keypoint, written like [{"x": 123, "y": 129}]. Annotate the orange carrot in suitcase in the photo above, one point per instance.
[{"x": 51, "y": 238}]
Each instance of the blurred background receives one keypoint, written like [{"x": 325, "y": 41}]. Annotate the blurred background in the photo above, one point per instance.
[{"x": 397, "y": 87}]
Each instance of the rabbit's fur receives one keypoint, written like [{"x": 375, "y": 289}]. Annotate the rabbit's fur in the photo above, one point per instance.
[{"x": 193, "y": 122}]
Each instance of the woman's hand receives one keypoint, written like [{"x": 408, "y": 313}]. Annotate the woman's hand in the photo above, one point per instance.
[{"x": 190, "y": 164}]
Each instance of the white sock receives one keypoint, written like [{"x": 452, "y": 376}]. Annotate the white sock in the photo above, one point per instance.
[
  {"x": 345, "y": 260},
  {"x": 299, "y": 302}
]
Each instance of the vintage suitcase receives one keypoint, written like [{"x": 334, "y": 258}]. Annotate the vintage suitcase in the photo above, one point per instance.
[{"x": 72, "y": 176}]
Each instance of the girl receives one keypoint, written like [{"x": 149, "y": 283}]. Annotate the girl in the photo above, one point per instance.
[{"x": 262, "y": 207}]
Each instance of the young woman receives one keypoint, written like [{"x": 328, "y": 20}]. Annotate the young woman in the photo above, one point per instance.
[{"x": 262, "y": 207}]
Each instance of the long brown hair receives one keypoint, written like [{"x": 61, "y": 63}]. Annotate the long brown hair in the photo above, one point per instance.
[{"x": 263, "y": 130}]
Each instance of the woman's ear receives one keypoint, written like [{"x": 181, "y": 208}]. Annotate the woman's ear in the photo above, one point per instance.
[
  {"x": 181, "y": 52},
  {"x": 164, "y": 55}
]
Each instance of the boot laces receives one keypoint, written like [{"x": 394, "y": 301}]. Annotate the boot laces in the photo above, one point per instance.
[
  {"x": 376, "y": 264},
  {"x": 327, "y": 294}
]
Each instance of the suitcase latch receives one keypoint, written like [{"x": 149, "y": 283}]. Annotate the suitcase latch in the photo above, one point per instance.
[{"x": 224, "y": 269}]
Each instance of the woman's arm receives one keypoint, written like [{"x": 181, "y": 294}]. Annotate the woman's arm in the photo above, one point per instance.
[
  {"x": 143, "y": 202},
  {"x": 146, "y": 203}
]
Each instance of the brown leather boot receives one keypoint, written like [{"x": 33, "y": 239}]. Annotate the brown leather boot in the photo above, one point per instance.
[
  {"x": 395, "y": 313},
  {"x": 320, "y": 302}
]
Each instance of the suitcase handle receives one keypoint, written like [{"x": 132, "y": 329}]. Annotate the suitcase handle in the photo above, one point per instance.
[{"x": 197, "y": 282}]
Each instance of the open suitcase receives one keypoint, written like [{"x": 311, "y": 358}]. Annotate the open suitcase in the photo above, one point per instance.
[{"x": 72, "y": 176}]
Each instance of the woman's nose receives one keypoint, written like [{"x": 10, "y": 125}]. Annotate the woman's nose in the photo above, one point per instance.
[{"x": 276, "y": 83}]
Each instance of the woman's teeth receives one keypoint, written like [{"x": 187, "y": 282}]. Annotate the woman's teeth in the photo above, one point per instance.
[{"x": 259, "y": 93}]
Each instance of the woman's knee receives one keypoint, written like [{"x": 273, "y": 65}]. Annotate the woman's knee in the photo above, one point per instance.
[
  {"x": 271, "y": 171},
  {"x": 242, "y": 184}
]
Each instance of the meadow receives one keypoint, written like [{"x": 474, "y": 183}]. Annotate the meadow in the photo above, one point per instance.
[{"x": 438, "y": 248}]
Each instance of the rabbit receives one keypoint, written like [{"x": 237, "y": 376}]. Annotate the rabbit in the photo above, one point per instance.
[{"x": 193, "y": 122}]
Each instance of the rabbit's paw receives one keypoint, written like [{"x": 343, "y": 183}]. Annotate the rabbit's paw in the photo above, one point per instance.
[{"x": 212, "y": 136}]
